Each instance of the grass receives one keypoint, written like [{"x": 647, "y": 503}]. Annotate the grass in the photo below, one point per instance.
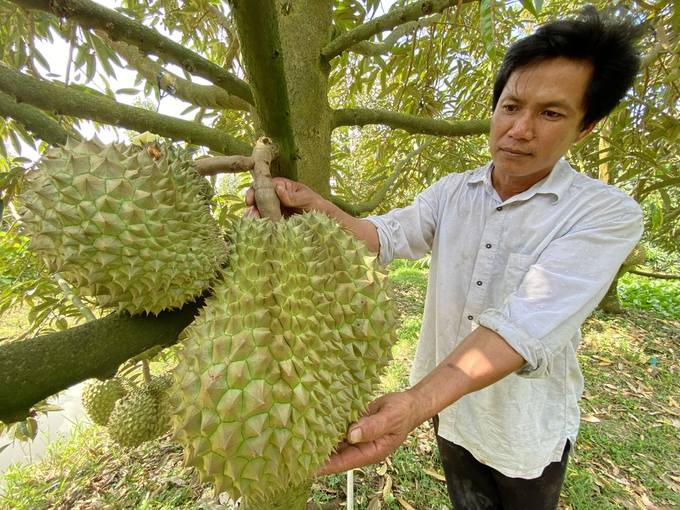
[{"x": 627, "y": 456}]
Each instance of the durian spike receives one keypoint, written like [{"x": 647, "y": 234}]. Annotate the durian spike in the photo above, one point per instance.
[{"x": 265, "y": 195}]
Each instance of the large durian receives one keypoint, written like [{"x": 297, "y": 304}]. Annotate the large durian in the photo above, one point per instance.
[
  {"x": 99, "y": 398},
  {"x": 142, "y": 415},
  {"x": 129, "y": 229},
  {"x": 284, "y": 355}
]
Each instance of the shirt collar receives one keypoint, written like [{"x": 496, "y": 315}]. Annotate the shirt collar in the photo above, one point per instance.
[{"x": 557, "y": 182}]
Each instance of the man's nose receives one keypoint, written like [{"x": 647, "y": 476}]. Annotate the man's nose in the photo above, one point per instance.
[{"x": 523, "y": 127}]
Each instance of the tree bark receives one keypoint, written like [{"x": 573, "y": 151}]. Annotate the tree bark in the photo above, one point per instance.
[
  {"x": 65, "y": 101},
  {"x": 34, "y": 369},
  {"x": 34, "y": 120},
  {"x": 305, "y": 27},
  {"x": 90, "y": 15},
  {"x": 258, "y": 32},
  {"x": 409, "y": 123}
]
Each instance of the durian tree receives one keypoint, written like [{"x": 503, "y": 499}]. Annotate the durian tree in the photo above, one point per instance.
[{"x": 366, "y": 103}]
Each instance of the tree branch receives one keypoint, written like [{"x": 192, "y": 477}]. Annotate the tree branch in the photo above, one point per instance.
[
  {"x": 661, "y": 276},
  {"x": 390, "y": 20},
  {"x": 377, "y": 199},
  {"x": 371, "y": 49},
  {"x": 409, "y": 123},
  {"x": 49, "y": 96},
  {"x": 209, "y": 96},
  {"x": 224, "y": 165},
  {"x": 94, "y": 16},
  {"x": 68, "y": 357},
  {"x": 35, "y": 121}
]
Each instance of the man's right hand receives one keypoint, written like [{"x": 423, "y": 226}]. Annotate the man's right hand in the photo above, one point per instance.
[{"x": 295, "y": 198}]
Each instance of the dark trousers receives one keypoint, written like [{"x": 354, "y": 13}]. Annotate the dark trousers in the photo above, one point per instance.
[{"x": 475, "y": 486}]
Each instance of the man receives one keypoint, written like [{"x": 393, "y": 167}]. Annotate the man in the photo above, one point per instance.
[{"x": 523, "y": 249}]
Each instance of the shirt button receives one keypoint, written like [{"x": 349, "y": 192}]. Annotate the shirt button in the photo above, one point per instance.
[
  {"x": 470, "y": 317},
  {"x": 479, "y": 282},
  {"x": 499, "y": 208},
  {"x": 488, "y": 246}
]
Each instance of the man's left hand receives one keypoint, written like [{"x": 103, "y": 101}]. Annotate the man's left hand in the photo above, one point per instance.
[{"x": 389, "y": 420}]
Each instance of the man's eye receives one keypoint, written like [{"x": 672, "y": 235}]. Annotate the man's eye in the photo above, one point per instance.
[
  {"x": 510, "y": 108},
  {"x": 552, "y": 114}
]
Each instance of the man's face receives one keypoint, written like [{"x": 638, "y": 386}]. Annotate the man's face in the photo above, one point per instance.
[{"x": 537, "y": 118}]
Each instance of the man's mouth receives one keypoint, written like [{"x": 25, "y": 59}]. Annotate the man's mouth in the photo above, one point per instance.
[{"x": 514, "y": 152}]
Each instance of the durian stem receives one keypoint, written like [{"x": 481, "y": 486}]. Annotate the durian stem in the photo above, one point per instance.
[
  {"x": 295, "y": 498},
  {"x": 71, "y": 296},
  {"x": 265, "y": 195},
  {"x": 146, "y": 371}
]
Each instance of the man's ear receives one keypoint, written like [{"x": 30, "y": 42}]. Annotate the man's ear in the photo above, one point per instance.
[{"x": 585, "y": 131}]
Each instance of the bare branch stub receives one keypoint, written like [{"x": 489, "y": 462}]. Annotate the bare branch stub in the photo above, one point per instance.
[
  {"x": 224, "y": 165},
  {"x": 266, "y": 198}
]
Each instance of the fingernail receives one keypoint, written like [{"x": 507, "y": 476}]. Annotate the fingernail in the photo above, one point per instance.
[{"x": 354, "y": 436}]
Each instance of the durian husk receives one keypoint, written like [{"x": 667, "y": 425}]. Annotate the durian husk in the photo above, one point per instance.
[
  {"x": 142, "y": 415},
  {"x": 285, "y": 354},
  {"x": 99, "y": 398},
  {"x": 133, "y": 231}
]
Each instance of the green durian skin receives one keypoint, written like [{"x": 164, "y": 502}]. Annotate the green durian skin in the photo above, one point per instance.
[
  {"x": 99, "y": 398},
  {"x": 142, "y": 415},
  {"x": 132, "y": 231},
  {"x": 283, "y": 357}
]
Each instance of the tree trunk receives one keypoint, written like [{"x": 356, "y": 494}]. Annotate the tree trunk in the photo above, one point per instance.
[{"x": 610, "y": 302}]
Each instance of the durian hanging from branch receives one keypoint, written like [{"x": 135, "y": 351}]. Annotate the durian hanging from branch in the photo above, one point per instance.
[{"x": 123, "y": 224}]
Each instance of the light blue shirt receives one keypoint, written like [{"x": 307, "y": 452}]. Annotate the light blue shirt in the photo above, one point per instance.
[{"x": 532, "y": 269}]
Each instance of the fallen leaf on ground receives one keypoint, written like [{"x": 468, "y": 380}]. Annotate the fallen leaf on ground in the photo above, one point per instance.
[
  {"x": 434, "y": 475},
  {"x": 405, "y": 504}
]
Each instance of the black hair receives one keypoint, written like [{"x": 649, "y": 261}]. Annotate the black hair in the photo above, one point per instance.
[{"x": 609, "y": 44}]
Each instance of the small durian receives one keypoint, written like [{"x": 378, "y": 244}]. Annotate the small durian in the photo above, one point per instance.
[
  {"x": 99, "y": 398},
  {"x": 283, "y": 357},
  {"x": 142, "y": 415},
  {"x": 127, "y": 225}
]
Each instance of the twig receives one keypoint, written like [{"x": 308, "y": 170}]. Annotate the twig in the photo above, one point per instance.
[
  {"x": 409, "y": 123},
  {"x": 379, "y": 196},
  {"x": 394, "y": 18},
  {"x": 661, "y": 276}
]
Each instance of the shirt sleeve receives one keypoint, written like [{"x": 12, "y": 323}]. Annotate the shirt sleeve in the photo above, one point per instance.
[
  {"x": 408, "y": 233},
  {"x": 564, "y": 285}
]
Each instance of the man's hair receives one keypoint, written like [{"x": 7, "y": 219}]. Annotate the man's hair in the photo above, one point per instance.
[{"x": 607, "y": 43}]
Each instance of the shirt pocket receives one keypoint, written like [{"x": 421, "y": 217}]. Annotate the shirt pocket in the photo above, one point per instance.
[{"x": 517, "y": 268}]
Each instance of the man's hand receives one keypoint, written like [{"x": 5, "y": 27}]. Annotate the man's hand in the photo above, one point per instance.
[
  {"x": 295, "y": 198},
  {"x": 389, "y": 420}
]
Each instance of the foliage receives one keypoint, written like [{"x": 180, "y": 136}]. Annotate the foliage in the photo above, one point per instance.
[{"x": 661, "y": 296}]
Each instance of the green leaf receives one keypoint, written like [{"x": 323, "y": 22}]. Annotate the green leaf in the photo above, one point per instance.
[
  {"x": 486, "y": 27},
  {"x": 529, "y": 6},
  {"x": 128, "y": 91}
]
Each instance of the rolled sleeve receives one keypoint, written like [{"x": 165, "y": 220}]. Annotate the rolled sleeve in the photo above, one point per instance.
[
  {"x": 564, "y": 285},
  {"x": 408, "y": 233}
]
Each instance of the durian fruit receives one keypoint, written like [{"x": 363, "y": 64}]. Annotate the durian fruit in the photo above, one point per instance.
[
  {"x": 283, "y": 357},
  {"x": 142, "y": 415},
  {"x": 99, "y": 398},
  {"x": 129, "y": 229}
]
